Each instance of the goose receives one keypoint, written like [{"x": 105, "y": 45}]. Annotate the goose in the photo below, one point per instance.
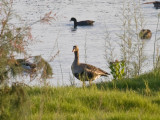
[
  {"x": 145, "y": 34},
  {"x": 85, "y": 72},
  {"x": 81, "y": 23}
]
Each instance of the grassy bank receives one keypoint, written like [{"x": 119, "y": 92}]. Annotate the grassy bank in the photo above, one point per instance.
[
  {"x": 150, "y": 81},
  {"x": 130, "y": 99}
]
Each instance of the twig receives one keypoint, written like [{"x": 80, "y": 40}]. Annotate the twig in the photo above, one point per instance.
[{"x": 149, "y": 2}]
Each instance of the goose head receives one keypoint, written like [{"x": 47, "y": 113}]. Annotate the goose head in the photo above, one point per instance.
[{"x": 75, "y": 49}]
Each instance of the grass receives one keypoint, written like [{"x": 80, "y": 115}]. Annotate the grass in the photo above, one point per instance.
[
  {"x": 130, "y": 99},
  {"x": 140, "y": 83}
]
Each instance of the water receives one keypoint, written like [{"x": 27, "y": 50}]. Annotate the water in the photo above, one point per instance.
[{"x": 58, "y": 36}]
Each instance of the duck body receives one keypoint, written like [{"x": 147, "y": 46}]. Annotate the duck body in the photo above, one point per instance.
[
  {"x": 26, "y": 64},
  {"x": 85, "y": 23},
  {"x": 85, "y": 72},
  {"x": 145, "y": 34},
  {"x": 156, "y": 4},
  {"x": 82, "y": 23}
]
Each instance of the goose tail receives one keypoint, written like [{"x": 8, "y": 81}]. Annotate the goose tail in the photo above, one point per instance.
[{"x": 106, "y": 74}]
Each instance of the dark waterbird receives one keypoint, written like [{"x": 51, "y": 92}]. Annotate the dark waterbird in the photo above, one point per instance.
[
  {"x": 155, "y": 3},
  {"x": 85, "y": 72},
  {"x": 25, "y": 64},
  {"x": 82, "y": 23}
]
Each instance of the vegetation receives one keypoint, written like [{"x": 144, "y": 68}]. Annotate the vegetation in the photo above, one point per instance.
[
  {"x": 117, "y": 69},
  {"x": 13, "y": 42},
  {"x": 130, "y": 99}
]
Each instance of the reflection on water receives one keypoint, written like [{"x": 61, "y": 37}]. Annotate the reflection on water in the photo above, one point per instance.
[
  {"x": 61, "y": 36},
  {"x": 73, "y": 29}
]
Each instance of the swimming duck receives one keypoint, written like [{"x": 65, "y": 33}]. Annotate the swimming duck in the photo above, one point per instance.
[
  {"x": 155, "y": 3},
  {"x": 25, "y": 64},
  {"x": 81, "y": 23},
  {"x": 145, "y": 34}
]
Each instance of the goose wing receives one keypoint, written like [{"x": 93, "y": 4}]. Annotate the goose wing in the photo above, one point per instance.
[{"x": 94, "y": 70}]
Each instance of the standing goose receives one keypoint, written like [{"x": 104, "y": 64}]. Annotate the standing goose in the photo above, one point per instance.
[
  {"x": 85, "y": 72},
  {"x": 81, "y": 23}
]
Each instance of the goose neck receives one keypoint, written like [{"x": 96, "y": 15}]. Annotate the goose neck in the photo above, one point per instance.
[{"x": 76, "y": 60}]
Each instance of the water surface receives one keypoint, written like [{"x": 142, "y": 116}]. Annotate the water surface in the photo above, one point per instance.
[{"x": 58, "y": 36}]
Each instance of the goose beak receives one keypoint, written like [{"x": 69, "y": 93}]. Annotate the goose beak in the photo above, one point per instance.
[{"x": 73, "y": 50}]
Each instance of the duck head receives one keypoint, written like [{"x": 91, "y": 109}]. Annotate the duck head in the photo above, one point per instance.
[{"x": 73, "y": 19}]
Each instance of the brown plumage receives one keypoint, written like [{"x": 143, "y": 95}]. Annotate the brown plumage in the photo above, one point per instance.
[
  {"x": 85, "y": 72},
  {"x": 81, "y": 23},
  {"x": 145, "y": 34}
]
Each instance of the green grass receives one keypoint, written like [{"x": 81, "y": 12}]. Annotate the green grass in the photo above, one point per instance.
[
  {"x": 139, "y": 83},
  {"x": 130, "y": 99}
]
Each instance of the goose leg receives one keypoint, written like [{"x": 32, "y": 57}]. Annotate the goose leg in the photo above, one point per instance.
[
  {"x": 84, "y": 84},
  {"x": 90, "y": 82}
]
